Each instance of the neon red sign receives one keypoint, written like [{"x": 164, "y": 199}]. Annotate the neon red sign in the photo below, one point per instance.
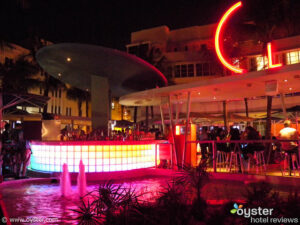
[{"x": 225, "y": 62}]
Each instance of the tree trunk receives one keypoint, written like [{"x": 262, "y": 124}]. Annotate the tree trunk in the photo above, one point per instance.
[
  {"x": 135, "y": 114},
  {"x": 147, "y": 118},
  {"x": 268, "y": 121},
  {"x": 46, "y": 93},
  {"x": 152, "y": 112},
  {"x": 87, "y": 108},
  {"x": 246, "y": 107},
  {"x": 225, "y": 114},
  {"x": 122, "y": 112},
  {"x": 79, "y": 108}
]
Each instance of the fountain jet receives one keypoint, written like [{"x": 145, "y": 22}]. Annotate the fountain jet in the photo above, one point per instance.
[
  {"x": 65, "y": 183},
  {"x": 81, "y": 180}
]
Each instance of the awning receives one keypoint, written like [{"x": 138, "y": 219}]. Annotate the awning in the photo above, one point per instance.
[{"x": 27, "y": 100}]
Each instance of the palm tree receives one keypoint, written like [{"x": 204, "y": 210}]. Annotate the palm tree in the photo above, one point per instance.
[
  {"x": 19, "y": 77},
  {"x": 80, "y": 96},
  {"x": 49, "y": 84}
]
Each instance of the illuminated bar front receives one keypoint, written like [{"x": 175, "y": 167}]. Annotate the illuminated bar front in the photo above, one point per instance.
[{"x": 97, "y": 156}]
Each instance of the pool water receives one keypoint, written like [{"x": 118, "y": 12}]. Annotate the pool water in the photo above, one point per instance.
[{"x": 44, "y": 199}]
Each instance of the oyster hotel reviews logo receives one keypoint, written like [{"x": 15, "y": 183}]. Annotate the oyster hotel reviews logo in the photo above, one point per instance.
[{"x": 261, "y": 215}]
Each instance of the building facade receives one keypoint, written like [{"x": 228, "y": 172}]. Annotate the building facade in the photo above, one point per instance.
[{"x": 188, "y": 54}]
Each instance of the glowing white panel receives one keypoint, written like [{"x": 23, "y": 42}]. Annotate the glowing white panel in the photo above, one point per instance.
[{"x": 98, "y": 157}]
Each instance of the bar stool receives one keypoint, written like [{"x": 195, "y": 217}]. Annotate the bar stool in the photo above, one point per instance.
[
  {"x": 222, "y": 161},
  {"x": 290, "y": 163},
  {"x": 234, "y": 156},
  {"x": 259, "y": 162}
]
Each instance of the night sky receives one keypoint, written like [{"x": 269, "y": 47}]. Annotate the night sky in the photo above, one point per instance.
[{"x": 107, "y": 23}]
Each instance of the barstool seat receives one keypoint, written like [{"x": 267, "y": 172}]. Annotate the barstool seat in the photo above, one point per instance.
[
  {"x": 222, "y": 160},
  {"x": 291, "y": 163},
  {"x": 234, "y": 162},
  {"x": 259, "y": 162}
]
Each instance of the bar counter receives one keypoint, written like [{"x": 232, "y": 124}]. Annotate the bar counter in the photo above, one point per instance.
[{"x": 97, "y": 156}]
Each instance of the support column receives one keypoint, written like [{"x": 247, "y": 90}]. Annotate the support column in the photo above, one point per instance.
[
  {"x": 225, "y": 114},
  {"x": 282, "y": 98},
  {"x": 1, "y": 107},
  {"x": 172, "y": 131},
  {"x": 177, "y": 111},
  {"x": 162, "y": 119},
  {"x": 100, "y": 102},
  {"x": 188, "y": 108}
]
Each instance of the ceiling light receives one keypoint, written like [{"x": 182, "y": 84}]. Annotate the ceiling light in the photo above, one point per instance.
[
  {"x": 69, "y": 59},
  {"x": 198, "y": 93},
  {"x": 59, "y": 74},
  {"x": 215, "y": 98},
  {"x": 285, "y": 80},
  {"x": 290, "y": 89}
]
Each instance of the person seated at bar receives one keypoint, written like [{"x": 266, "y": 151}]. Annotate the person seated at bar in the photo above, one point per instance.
[
  {"x": 251, "y": 134},
  {"x": 234, "y": 135},
  {"x": 203, "y": 136},
  {"x": 289, "y": 133},
  {"x": 221, "y": 136}
]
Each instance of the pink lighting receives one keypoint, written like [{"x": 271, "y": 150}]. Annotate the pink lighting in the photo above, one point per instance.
[
  {"x": 223, "y": 20},
  {"x": 105, "y": 156},
  {"x": 270, "y": 59}
]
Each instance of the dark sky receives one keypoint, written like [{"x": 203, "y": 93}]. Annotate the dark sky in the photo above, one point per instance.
[{"x": 107, "y": 23}]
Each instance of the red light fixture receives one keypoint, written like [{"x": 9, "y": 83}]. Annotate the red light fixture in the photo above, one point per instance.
[
  {"x": 223, "y": 20},
  {"x": 271, "y": 65}
]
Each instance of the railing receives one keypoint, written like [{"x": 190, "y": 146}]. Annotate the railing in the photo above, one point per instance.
[{"x": 272, "y": 156}]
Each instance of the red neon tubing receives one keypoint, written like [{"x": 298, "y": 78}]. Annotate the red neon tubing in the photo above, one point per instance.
[
  {"x": 271, "y": 65},
  {"x": 224, "y": 18}
]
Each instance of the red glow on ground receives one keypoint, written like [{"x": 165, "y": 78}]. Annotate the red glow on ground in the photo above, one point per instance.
[
  {"x": 271, "y": 65},
  {"x": 223, "y": 20}
]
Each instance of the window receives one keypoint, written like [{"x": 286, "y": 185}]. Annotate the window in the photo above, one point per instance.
[
  {"x": 261, "y": 63},
  {"x": 67, "y": 111},
  {"x": 112, "y": 105},
  {"x": 199, "y": 69},
  {"x": 59, "y": 93},
  {"x": 70, "y": 111},
  {"x": 183, "y": 70},
  {"x": 51, "y": 108},
  {"x": 190, "y": 70},
  {"x": 205, "y": 69},
  {"x": 177, "y": 71},
  {"x": 58, "y": 110},
  {"x": 293, "y": 57},
  {"x": 55, "y": 108}
]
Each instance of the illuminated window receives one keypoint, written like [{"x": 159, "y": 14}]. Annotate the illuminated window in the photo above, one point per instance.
[
  {"x": 261, "y": 62},
  {"x": 112, "y": 105},
  {"x": 293, "y": 57}
]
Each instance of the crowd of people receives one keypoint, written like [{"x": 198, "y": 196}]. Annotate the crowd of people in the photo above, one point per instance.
[
  {"x": 15, "y": 155},
  {"x": 249, "y": 134},
  {"x": 125, "y": 134}
]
